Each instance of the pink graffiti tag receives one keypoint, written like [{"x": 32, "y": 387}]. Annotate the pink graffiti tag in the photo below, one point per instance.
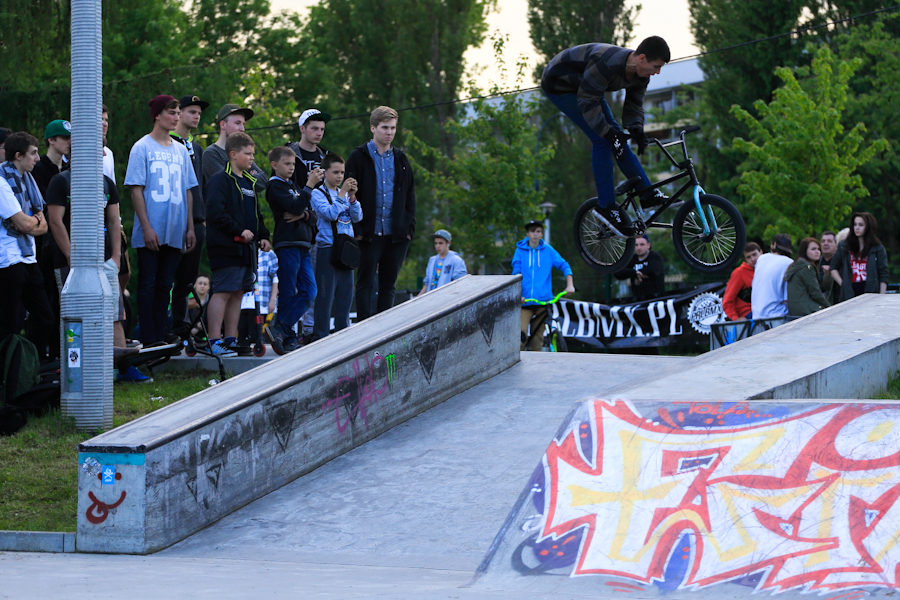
[
  {"x": 362, "y": 386},
  {"x": 102, "y": 509}
]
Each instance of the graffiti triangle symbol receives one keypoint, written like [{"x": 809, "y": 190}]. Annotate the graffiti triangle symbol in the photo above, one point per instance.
[
  {"x": 486, "y": 322},
  {"x": 426, "y": 352},
  {"x": 871, "y": 515},
  {"x": 212, "y": 474},
  {"x": 281, "y": 417},
  {"x": 788, "y": 528},
  {"x": 192, "y": 487}
]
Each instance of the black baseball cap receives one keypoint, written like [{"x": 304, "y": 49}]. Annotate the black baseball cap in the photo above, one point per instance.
[
  {"x": 193, "y": 100},
  {"x": 532, "y": 223}
]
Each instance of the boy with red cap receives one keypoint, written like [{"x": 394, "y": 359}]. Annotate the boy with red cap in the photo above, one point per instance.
[{"x": 161, "y": 178}]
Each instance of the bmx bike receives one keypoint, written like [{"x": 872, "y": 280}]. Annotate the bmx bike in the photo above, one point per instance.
[
  {"x": 553, "y": 337},
  {"x": 707, "y": 231}
]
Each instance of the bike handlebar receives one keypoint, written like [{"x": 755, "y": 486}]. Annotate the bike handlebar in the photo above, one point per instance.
[{"x": 555, "y": 299}]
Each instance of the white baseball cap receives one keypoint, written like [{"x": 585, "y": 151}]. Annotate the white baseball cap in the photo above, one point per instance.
[{"x": 308, "y": 113}]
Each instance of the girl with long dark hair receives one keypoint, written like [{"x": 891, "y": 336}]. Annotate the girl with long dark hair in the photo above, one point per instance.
[
  {"x": 860, "y": 266},
  {"x": 804, "y": 292}
]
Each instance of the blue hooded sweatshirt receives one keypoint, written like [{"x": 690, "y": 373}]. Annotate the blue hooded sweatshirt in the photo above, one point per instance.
[{"x": 535, "y": 265}]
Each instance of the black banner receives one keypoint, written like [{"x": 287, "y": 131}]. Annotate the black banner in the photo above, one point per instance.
[{"x": 679, "y": 319}]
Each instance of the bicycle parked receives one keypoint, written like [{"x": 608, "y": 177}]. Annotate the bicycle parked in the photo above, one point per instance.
[{"x": 708, "y": 231}]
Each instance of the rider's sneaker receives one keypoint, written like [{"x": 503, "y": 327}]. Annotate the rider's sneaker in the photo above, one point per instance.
[
  {"x": 218, "y": 348},
  {"x": 613, "y": 217}
]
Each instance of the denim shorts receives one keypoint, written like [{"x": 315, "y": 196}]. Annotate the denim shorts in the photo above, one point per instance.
[{"x": 232, "y": 279}]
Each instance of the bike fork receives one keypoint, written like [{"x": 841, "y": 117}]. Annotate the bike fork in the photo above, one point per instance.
[{"x": 706, "y": 217}]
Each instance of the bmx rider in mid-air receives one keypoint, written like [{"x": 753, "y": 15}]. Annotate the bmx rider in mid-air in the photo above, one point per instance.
[{"x": 576, "y": 81}]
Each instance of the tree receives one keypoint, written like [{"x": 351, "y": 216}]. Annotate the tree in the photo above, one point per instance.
[
  {"x": 874, "y": 96},
  {"x": 740, "y": 76},
  {"x": 484, "y": 192},
  {"x": 559, "y": 24},
  {"x": 804, "y": 176},
  {"x": 400, "y": 53}
]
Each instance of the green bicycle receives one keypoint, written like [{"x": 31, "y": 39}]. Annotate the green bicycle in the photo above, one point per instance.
[{"x": 553, "y": 334}]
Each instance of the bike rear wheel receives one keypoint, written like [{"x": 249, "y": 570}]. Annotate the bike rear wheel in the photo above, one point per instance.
[
  {"x": 718, "y": 251},
  {"x": 557, "y": 343},
  {"x": 599, "y": 247}
]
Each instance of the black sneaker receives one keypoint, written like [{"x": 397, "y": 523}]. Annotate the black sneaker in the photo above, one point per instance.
[
  {"x": 276, "y": 338},
  {"x": 616, "y": 221},
  {"x": 654, "y": 198}
]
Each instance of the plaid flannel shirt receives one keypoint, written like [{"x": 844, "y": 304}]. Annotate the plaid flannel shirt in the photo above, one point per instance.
[
  {"x": 266, "y": 274},
  {"x": 591, "y": 70}
]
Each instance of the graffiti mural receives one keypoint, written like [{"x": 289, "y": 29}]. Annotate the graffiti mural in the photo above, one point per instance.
[{"x": 691, "y": 495}]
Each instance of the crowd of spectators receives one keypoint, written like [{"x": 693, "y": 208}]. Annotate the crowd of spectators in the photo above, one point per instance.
[{"x": 827, "y": 270}]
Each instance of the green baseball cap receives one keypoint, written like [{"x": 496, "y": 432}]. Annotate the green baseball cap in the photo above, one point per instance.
[{"x": 57, "y": 127}]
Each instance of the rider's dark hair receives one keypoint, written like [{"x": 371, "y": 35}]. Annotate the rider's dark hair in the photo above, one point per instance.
[{"x": 654, "y": 48}]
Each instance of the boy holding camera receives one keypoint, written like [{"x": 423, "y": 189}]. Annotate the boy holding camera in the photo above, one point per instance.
[{"x": 293, "y": 240}]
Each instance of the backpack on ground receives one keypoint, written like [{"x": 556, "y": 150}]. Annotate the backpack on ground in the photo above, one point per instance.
[{"x": 20, "y": 367}]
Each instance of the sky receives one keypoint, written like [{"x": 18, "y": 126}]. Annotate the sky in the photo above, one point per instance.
[{"x": 667, "y": 18}]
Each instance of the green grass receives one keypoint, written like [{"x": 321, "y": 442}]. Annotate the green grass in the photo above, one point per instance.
[
  {"x": 39, "y": 464},
  {"x": 892, "y": 391}
]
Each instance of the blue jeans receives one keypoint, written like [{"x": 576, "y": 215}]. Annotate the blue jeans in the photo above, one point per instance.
[
  {"x": 156, "y": 273},
  {"x": 296, "y": 285},
  {"x": 335, "y": 288},
  {"x": 601, "y": 152}
]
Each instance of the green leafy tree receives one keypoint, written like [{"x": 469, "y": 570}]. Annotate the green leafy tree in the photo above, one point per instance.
[
  {"x": 740, "y": 76},
  {"x": 874, "y": 96},
  {"x": 804, "y": 176},
  {"x": 559, "y": 24},
  {"x": 484, "y": 192}
]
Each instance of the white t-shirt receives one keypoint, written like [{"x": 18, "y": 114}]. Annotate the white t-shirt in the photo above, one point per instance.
[
  {"x": 166, "y": 173},
  {"x": 109, "y": 164},
  {"x": 9, "y": 246},
  {"x": 769, "y": 295}
]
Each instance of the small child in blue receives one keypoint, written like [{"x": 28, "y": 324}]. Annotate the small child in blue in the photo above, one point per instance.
[
  {"x": 445, "y": 266},
  {"x": 334, "y": 205},
  {"x": 535, "y": 259}
]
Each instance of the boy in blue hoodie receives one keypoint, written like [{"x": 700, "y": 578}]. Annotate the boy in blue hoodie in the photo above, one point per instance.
[{"x": 534, "y": 260}]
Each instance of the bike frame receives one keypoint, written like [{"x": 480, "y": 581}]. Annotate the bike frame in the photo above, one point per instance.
[{"x": 687, "y": 170}]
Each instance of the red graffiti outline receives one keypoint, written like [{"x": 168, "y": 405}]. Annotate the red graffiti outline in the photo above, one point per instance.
[{"x": 102, "y": 508}]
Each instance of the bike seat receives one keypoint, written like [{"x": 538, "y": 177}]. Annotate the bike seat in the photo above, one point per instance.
[{"x": 628, "y": 186}]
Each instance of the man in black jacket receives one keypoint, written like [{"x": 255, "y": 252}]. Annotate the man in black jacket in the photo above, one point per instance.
[
  {"x": 234, "y": 229},
  {"x": 387, "y": 194},
  {"x": 192, "y": 108},
  {"x": 646, "y": 271}
]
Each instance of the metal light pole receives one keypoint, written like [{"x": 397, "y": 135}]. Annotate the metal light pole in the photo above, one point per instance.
[{"x": 86, "y": 298}]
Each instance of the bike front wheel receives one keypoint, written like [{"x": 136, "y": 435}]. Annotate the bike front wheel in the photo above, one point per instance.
[
  {"x": 714, "y": 252},
  {"x": 603, "y": 250}
]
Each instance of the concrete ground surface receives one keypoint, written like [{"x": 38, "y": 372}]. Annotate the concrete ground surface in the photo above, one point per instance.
[{"x": 408, "y": 515}]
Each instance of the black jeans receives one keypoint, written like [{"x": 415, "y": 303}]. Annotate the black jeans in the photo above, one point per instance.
[
  {"x": 23, "y": 284},
  {"x": 156, "y": 272},
  {"x": 387, "y": 257},
  {"x": 188, "y": 269}
]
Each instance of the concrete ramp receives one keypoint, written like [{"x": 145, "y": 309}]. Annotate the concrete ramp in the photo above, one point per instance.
[{"x": 723, "y": 499}]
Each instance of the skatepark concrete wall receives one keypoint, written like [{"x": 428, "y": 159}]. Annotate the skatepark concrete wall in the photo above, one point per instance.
[
  {"x": 674, "y": 498},
  {"x": 152, "y": 482},
  {"x": 726, "y": 475}
]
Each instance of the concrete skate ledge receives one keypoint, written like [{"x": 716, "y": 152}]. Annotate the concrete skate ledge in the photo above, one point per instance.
[
  {"x": 845, "y": 351},
  {"x": 154, "y": 481},
  {"x": 36, "y": 541}
]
